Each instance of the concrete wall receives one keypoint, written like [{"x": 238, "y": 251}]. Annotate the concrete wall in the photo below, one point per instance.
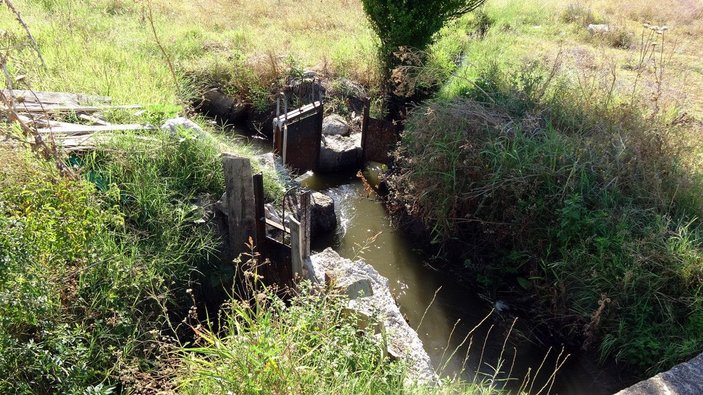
[{"x": 682, "y": 379}]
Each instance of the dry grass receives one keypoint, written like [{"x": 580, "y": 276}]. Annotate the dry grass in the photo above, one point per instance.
[
  {"x": 107, "y": 47},
  {"x": 541, "y": 30}
]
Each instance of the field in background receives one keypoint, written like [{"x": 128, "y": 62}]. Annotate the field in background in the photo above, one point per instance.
[
  {"x": 547, "y": 31},
  {"x": 107, "y": 47}
]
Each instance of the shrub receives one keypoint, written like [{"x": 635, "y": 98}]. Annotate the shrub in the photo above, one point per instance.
[
  {"x": 312, "y": 344},
  {"x": 412, "y": 23},
  {"x": 93, "y": 270},
  {"x": 580, "y": 15},
  {"x": 574, "y": 197}
]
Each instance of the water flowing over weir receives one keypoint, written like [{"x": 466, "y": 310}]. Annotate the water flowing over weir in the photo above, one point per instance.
[{"x": 444, "y": 312}]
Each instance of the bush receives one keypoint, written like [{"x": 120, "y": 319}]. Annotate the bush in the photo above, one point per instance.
[
  {"x": 311, "y": 344},
  {"x": 575, "y": 198},
  {"x": 93, "y": 270},
  {"x": 412, "y": 23}
]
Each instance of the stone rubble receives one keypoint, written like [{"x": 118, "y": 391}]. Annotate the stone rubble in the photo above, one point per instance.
[
  {"x": 682, "y": 379},
  {"x": 372, "y": 297}
]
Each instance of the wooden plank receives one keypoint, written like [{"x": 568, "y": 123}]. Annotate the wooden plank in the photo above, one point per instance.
[
  {"x": 70, "y": 108},
  {"x": 276, "y": 225},
  {"x": 94, "y": 120},
  {"x": 241, "y": 213},
  {"x": 84, "y": 129},
  {"x": 296, "y": 247},
  {"x": 28, "y": 96},
  {"x": 305, "y": 215},
  {"x": 297, "y": 113}
]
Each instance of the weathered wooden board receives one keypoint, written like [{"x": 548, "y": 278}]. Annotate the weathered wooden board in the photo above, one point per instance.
[
  {"x": 28, "y": 96},
  {"x": 298, "y": 137},
  {"x": 241, "y": 216},
  {"x": 74, "y": 129},
  {"x": 57, "y": 108}
]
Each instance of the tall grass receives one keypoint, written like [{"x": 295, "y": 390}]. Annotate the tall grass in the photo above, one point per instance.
[
  {"x": 107, "y": 47},
  {"x": 310, "y": 345},
  {"x": 95, "y": 270},
  {"x": 573, "y": 194}
]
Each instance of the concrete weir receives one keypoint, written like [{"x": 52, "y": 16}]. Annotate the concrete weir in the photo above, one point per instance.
[
  {"x": 683, "y": 379},
  {"x": 370, "y": 296}
]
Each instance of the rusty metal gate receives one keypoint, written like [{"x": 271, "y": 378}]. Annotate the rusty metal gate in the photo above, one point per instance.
[
  {"x": 297, "y": 134},
  {"x": 378, "y": 137}
]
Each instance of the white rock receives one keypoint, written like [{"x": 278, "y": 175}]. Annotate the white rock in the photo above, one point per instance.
[
  {"x": 335, "y": 125},
  {"x": 174, "y": 124},
  {"x": 598, "y": 28},
  {"x": 340, "y": 153},
  {"x": 403, "y": 341}
]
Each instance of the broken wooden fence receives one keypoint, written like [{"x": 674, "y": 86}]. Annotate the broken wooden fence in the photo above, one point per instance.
[{"x": 246, "y": 218}]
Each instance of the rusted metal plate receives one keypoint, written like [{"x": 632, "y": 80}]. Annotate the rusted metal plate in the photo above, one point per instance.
[
  {"x": 298, "y": 137},
  {"x": 379, "y": 138},
  {"x": 279, "y": 270}
]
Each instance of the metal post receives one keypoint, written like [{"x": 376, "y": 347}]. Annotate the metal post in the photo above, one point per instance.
[{"x": 258, "y": 180}]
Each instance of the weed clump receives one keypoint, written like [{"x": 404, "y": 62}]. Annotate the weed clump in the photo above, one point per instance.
[
  {"x": 584, "y": 202},
  {"x": 93, "y": 271},
  {"x": 311, "y": 344}
]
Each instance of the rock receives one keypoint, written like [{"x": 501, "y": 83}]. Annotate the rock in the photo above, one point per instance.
[
  {"x": 356, "y": 123},
  {"x": 348, "y": 88},
  {"x": 682, "y": 379},
  {"x": 360, "y": 289},
  {"x": 366, "y": 322},
  {"x": 323, "y": 217},
  {"x": 598, "y": 28},
  {"x": 271, "y": 213},
  {"x": 217, "y": 104},
  {"x": 271, "y": 161},
  {"x": 221, "y": 205},
  {"x": 267, "y": 160},
  {"x": 181, "y": 123},
  {"x": 335, "y": 125},
  {"x": 340, "y": 153},
  {"x": 403, "y": 341}
]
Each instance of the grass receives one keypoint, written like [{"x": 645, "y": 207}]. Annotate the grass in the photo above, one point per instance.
[
  {"x": 92, "y": 267},
  {"x": 577, "y": 190},
  {"x": 560, "y": 181},
  {"x": 311, "y": 343},
  {"x": 107, "y": 47}
]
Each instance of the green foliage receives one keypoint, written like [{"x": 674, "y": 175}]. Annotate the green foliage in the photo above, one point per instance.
[
  {"x": 412, "y": 23},
  {"x": 311, "y": 344},
  {"x": 573, "y": 196},
  {"x": 94, "y": 270}
]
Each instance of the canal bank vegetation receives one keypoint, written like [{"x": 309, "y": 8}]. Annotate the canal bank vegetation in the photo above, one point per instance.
[
  {"x": 103, "y": 279},
  {"x": 570, "y": 179},
  {"x": 104, "y": 272},
  {"x": 592, "y": 203},
  {"x": 94, "y": 269}
]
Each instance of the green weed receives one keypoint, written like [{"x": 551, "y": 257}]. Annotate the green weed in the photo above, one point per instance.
[{"x": 567, "y": 191}]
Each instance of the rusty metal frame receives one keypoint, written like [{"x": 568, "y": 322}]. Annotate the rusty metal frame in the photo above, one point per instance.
[{"x": 302, "y": 153}]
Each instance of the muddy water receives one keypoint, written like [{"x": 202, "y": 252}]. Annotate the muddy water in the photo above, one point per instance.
[
  {"x": 445, "y": 325},
  {"x": 462, "y": 332}
]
